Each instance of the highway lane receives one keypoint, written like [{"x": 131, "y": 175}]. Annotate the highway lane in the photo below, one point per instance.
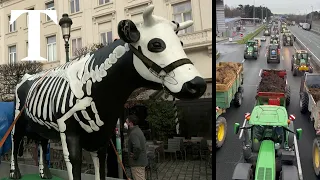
[
  {"x": 309, "y": 39},
  {"x": 230, "y": 154}
]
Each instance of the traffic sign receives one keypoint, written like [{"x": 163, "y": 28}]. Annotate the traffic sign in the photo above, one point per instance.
[{"x": 241, "y": 35}]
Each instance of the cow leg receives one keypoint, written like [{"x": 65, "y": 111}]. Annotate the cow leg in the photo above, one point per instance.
[
  {"x": 99, "y": 162},
  {"x": 43, "y": 166},
  {"x": 16, "y": 140},
  {"x": 72, "y": 153}
]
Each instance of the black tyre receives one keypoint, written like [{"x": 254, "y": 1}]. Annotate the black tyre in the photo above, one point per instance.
[
  {"x": 268, "y": 61},
  {"x": 238, "y": 99},
  {"x": 221, "y": 131},
  {"x": 295, "y": 72},
  {"x": 310, "y": 70},
  {"x": 288, "y": 97},
  {"x": 316, "y": 156},
  {"x": 304, "y": 102},
  {"x": 241, "y": 90},
  {"x": 278, "y": 61}
]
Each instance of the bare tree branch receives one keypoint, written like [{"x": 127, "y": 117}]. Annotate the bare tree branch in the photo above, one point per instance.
[
  {"x": 87, "y": 49},
  {"x": 11, "y": 74}
]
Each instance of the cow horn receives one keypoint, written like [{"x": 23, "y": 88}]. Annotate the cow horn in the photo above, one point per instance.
[
  {"x": 184, "y": 25},
  {"x": 147, "y": 15}
]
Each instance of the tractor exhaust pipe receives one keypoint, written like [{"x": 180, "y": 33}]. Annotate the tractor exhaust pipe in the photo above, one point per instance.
[
  {"x": 243, "y": 125},
  {"x": 298, "y": 157}
]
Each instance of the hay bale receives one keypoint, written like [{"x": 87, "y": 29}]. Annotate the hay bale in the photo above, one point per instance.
[{"x": 226, "y": 72}]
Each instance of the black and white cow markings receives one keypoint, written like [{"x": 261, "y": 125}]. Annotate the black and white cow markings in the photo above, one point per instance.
[{"x": 62, "y": 89}]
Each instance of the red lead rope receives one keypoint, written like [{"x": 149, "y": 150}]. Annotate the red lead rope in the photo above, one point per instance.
[{"x": 16, "y": 119}]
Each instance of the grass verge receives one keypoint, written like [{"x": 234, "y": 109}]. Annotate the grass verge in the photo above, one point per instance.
[{"x": 251, "y": 35}]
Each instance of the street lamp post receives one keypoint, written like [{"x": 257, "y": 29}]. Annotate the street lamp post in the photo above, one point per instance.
[
  {"x": 254, "y": 12},
  {"x": 65, "y": 23},
  {"x": 262, "y": 13},
  {"x": 311, "y": 15}
]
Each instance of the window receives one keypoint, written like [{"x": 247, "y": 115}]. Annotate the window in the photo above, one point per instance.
[
  {"x": 106, "y": 38},
  {"x": 28, "y": 16},
  {"x": 75, "y": 44},
  {"x": 49, "y": 6},
  {"x": 12, "y": 54},
  {"x": 103, "y": 2},
  {"x": 12, "y": 27},
  {"x": 51, "y": 48},
  {"x": 74, "y": 5},
  {"x": 182, "y": 12}
]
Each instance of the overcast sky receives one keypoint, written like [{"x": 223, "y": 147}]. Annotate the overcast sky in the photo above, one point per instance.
[{"x": 281, "y": 6}]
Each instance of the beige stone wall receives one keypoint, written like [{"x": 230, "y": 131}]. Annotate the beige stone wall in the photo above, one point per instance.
[{"x": 94, "y": 18}]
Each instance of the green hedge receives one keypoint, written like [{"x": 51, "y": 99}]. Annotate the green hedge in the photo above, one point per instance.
[{"x": 251, "y": 35}]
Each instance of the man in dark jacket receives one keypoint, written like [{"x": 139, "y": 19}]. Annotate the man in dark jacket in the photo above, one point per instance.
[{"x": 136, "y": 148}]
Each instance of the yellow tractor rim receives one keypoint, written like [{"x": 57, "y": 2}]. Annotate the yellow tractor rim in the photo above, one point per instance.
[
  {"x": 316, "y": 157},
  {"x": 221, "y": 132}
]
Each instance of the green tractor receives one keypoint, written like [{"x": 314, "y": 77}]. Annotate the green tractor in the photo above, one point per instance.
[
  {"x": 300, "y": 62},
  {"x": 270, "y": 147},
  {"x": 251, "y": 50}
]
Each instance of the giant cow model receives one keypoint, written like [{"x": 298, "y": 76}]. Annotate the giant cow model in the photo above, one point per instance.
[{"x": 80, "y": 101}]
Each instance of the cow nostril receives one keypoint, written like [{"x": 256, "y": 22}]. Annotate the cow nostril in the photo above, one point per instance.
[{"x": 191, "y": 87}]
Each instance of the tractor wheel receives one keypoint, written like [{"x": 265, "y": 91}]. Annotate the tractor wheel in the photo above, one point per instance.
[
  {"x": 288, "y": 98},
  {"x": 278, "y": 60},
  {"x": 241, "y": 90},
  {"x": 268, "y": 61},
  {"x": 221, "y": 131},
  {"x": 316, "y": 156},
  {"x": 238, "y": 99},
  {"x": 291, "y": 44},
  {"x": 295, "y": 72},
  {"x": 244, "y": 57},
  {"x": 304, "y": 102},
  {"x": 250, "y": 174},
  {"x": 291, "y": 66},
  {"x": 310, "y": 70}
]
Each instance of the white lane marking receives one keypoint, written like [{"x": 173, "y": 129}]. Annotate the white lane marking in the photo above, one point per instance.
[
  {"x": 265, "y": 55},
  {"x": 243, "y": 61},
  {"x": 307, "y": 48},
  {"x": 282, "y": 57}
]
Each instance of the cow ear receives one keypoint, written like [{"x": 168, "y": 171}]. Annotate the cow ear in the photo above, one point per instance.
[{"x": 128, "y": 31}]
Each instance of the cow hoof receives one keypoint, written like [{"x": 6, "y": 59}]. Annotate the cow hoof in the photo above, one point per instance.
[
  {"x": 46, "y": 174},
  {"x": 15, "y": 174}
]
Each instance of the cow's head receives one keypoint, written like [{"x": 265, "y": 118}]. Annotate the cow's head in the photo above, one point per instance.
[{"x": 159, "y": 56}]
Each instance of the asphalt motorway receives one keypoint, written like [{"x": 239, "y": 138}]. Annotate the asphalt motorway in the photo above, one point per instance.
[{"x": 231, "y": 153}]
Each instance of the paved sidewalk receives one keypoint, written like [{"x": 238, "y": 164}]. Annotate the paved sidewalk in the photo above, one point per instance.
[{"x": 183, "y": 170}]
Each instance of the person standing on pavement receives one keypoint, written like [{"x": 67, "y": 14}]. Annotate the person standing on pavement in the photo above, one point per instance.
[{"x": 136, "y": 148}]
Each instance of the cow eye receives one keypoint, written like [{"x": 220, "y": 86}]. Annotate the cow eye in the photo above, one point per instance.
[{"x": 156, "y": 45}]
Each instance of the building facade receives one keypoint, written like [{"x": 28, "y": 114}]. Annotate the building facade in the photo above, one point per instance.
[{"x": 96, "y": 21}]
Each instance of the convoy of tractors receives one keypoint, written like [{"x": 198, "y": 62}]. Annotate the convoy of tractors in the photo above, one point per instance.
[{"x": 269, "y": 140}]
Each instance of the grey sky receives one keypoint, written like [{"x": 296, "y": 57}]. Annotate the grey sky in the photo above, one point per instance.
[{"x": 281, "y": 6}]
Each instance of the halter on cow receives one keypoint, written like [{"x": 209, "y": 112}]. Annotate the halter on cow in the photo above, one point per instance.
[{"x": 79, "y": 102}]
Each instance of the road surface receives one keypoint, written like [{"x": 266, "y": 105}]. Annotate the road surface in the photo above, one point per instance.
[
  {"x": 230, "y": 154},
  {"x": 309, "y": 39}
]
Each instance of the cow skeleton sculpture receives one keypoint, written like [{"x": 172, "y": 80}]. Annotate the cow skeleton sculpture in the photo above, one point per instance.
[{"x": 79, "y": 102}]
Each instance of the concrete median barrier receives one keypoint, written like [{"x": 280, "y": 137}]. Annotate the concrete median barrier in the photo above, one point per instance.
[{"x": 251, "y": 35}]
